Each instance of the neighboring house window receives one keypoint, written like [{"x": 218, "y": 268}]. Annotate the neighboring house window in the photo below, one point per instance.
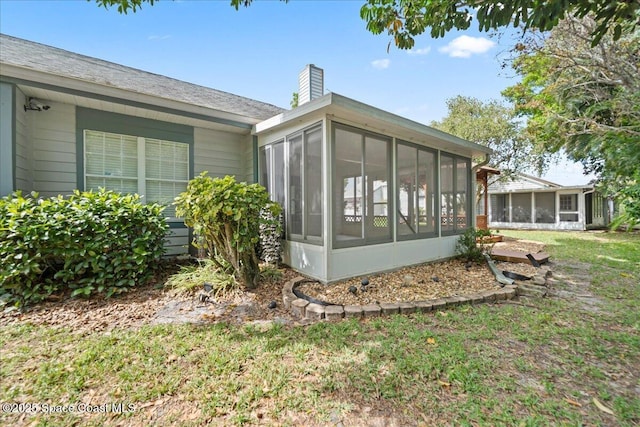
[
  {"x": 521, "y": 207},
  {"x": 153, "y": 168},
  {"x": 296, "y": 184},
  {"x": 416, "y": 191},
  {"x": 454, "y": 187},
  {"x": 569, "y": 207},
  {"x": 499, "y": 207},
  {"x": 545, "y": 208},
  {"x": 362, "y": 172}
]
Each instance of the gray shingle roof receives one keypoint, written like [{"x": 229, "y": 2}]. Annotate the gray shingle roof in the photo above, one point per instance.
[{"x": 48, "y": 59}]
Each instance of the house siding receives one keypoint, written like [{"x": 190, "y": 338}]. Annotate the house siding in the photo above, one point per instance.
[
  {"x": 250, "y": 168},
  {"x": 24, "y": 149},
  {"x": 53, "y": 138},
  {"x": 219, "y": 153},
  {"x": 7, "y": 137}
]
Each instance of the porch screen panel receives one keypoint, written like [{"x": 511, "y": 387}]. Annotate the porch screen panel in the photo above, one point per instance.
[
  {"x": 272, "y": 171},
  {"x": 426, "y": 191},
  {"x": 313, "y": 182},
  {"x": 447, "y": 221},
  {"x": 499, "y": 207},
  {"x": 278, "y": 174},
  {"x": 416, "y": 190},
  {"x": 295, "y": 185},
  {"x": 348, "y": 185},
  {"x": 521, "y": 207},
  {"x": 407, "y": 190},
  {"x": 462, "y": 195},
  {"x": 377, "y": 188},
  {"x": 264, "y": 163},
  {"x": 545, "y": 208}
]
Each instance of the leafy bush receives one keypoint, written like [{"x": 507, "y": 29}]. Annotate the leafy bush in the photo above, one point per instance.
[
  {"x": 90, "y": 242},
  {"x": 225, "y": 214},
  {"x": 471, "y": 245},
  {"x": 629, "y": 203}
]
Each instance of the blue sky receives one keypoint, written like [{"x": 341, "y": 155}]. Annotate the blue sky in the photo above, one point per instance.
[{"x": 258, "y": 51}]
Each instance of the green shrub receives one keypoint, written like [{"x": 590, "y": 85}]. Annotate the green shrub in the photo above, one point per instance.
[
  {"x": 471, "y": 245},
  {"x": 90, "y": 242},
  {"x": 225, "y": 215},
  {"x": 629, "y": 203}
]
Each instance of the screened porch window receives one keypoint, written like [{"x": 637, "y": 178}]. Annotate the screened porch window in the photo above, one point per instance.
[
  {"x": 361, "y": 173},
  {"x": 499, "y": 204},
  {"x": 156, "y": 169},
  {"x": 455, "y": 200},
  {"x": 272, "y": 171},
  {"x": 545, "y": 208},
  {"x": 416, "y": 191},
  {"x": 305, "y": 185},
  {"x": 296, "y": 184},
  {"x": 521, "y": 207}
]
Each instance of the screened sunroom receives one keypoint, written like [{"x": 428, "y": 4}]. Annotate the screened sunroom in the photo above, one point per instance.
[{"x": 364, "y": 190}]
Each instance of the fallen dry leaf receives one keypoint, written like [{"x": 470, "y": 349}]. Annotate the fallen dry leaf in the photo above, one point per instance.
[
  {"x": 431, "y": 340},
  {"x": 573, "y": 402},
  {"x": 602, "y": 407},
  {"x": 444, "y": 383}
]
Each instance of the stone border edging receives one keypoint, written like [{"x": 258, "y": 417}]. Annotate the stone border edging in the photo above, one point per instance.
[{"x": 303, "y": 309}]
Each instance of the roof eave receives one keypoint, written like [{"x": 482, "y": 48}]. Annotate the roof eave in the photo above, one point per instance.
[
  {"x": 337, "y": 105},
  {"x": 28, "y": 76}
]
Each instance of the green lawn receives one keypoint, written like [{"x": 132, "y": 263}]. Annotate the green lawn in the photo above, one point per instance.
[{"x": 563, "y": 360}]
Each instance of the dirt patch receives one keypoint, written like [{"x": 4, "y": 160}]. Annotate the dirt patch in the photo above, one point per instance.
[
  {"x": 573, "y": 281},
  {"x": 152, "y": 304}
]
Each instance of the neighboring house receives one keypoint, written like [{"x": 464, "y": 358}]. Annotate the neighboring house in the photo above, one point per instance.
[
  {"x": 112, "y": 126},
  {"x": 482, "y": 200},
  {"x": 533, "y": 203}
]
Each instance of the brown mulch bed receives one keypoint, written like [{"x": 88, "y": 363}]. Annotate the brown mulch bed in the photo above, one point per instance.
[
  {"x": 417, "y": 283},
  {"x": 142, "y": 305}
]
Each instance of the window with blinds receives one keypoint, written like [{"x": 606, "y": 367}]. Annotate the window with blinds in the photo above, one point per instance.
[{"x": 156, "y": 169}]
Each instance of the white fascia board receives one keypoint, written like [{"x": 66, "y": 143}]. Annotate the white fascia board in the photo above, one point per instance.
[
  {"x": 287, "y": 117},
  {"x": 360, "y": 114},
  {"x": 404, "y": 123},
  {"x": 57, "y": 81}
]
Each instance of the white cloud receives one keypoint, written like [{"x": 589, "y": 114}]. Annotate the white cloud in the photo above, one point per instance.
[
  {"x": 465, "y": 46},
  {"x": 421, "y": 51},
  {"x": 381, "y": 64},
  {"x": 154, "y": 37}
]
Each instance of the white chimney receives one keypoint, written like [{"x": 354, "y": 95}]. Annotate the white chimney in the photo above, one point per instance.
[{"x": 311, "y": 84}]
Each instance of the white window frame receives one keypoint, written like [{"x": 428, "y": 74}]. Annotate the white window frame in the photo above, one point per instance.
[
  {"x": 141, "y": 159},
  {"x": 575, "y": 212}
]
